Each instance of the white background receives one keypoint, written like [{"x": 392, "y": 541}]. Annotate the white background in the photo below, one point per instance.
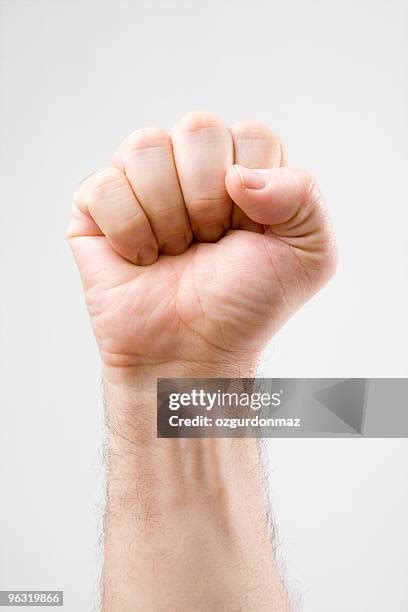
[{"x": 331, "y": 78}]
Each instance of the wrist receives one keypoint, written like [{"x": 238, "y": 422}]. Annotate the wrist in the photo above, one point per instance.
[
  {"x": 136, "y": 455},
  {"x": 130, "y": 395},
  {"x": 142, "y": 378}
]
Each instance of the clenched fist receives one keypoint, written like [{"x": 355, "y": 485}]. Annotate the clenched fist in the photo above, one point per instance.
[{"x": 194, "y": 247}]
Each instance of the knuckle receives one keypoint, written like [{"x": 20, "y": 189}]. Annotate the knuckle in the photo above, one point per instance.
[
  {"x": 253, "y": 130},
  {"x": 129, "y": 230},
  {"x": 170, "y": 215},
  {"x": 215, "y": 199},
  {"x": 97, "y": 187},
  {"x": 210, "y": 209},
  {"x": 147, "y": 138},
  {"x": 196, "y": 121}
]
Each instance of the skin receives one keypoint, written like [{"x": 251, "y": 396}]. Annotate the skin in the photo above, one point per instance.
[{"x": 190, "y": 262}]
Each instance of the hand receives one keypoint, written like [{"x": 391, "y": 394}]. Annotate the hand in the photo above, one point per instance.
[{"x": 188, "y": 259}]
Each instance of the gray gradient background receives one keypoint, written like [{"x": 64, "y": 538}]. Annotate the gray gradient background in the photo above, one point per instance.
[{"x": 331, "y": 78}]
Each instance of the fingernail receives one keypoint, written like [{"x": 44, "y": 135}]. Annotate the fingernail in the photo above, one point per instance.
[
  {"x": 252, "y": 179},
  {"x": 175, "y": 245},
  {"x": 210, "y": 233},
  {"x": 147, "y": 255}
]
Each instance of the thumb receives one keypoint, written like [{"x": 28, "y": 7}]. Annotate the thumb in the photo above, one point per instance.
[{"x": 284, "y": 197}]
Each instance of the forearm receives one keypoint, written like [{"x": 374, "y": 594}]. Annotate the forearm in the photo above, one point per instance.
[{"x": 186, "y": 519}]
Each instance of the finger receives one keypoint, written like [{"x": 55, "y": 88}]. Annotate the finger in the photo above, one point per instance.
[
  {"x": 286, "y": 199},
  {"x": 255, "y": 146},
  {"x": 105, "y": 202},
  {"x": 146, "y": 157},
  {"x": 203, "y": 151}
]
